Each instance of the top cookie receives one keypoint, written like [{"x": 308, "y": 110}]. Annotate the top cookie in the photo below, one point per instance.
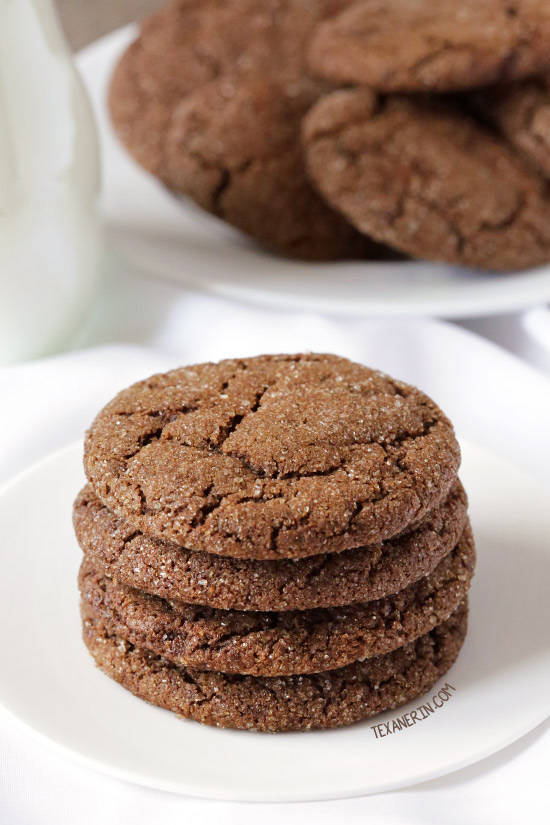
[
  {"x": 443, "y": 46},
  {"x": 271, "y": 457}
]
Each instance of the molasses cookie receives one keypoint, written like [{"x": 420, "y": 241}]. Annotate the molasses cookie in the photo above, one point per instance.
[
  {"x": 443, "y": 46},
  {"x": 187, "y": 44},
  {"x": 172, "y": 572},
  {"x": 210, "y": 99},
  {"x": 323, "y": 700},
  {"x": 279, "y": 644},
  {"x": 234, "y": 148},
  {"x": 427, "y": 179},
  {"x": 272, "y": 457}
]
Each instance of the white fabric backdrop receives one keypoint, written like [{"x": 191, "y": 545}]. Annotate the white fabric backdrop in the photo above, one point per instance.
[{"x": 493, "y": 398}]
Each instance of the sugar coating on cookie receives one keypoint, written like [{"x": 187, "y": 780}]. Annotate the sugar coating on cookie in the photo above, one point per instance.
[
  {"x": 167, "y": 570},
  {"x": 272, "y": 457},
  {"x": 428, "y": 179},
  {"x": 323, "y": 700},
  {"x": 442, "y": 46}
]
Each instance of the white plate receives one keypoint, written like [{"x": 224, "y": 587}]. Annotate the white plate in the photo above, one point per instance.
[
  {"x": 49, "y": 682},
  {"x": 179, "y": 242}
]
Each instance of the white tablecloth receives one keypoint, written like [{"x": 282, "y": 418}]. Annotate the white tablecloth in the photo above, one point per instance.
[{"x": 140, "y": 326}]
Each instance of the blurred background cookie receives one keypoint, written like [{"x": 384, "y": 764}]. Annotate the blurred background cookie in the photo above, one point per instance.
[
  {"x": 521, "y": 112},
  {"x": 428, "y": 179},
  {"x": 188, "y": 43},
  {"x": 212, "y": 96},
  {"x": 210, "y": 100},
  {"x": 234, "y": 148},
  {"x": 419, "y": 45}
]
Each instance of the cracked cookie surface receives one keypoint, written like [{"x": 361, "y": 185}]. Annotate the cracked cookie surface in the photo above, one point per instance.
[
  {"x": 271, "y": 457},
  {"x": 209, "y": 99},
  {"x": 234, "y": 148},
  {"x": 427, "y": 179},
  {"x": 279, "y": 644},
  {"x": 443, "y": 46},
  {"x": 359, "y": 575},
  {"x": 323, "y": 700},
  {"x": 187, "y": 44}
]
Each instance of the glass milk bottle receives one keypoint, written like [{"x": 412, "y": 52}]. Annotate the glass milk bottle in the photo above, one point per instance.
[{"x": 49, "y": 232}]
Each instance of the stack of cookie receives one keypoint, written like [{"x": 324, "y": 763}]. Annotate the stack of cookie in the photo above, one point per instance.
[
  {"x": 274, "y": 543},
  {"x": 438, "y": 146}
]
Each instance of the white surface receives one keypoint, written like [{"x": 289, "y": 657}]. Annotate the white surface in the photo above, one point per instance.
[
  {"x": 177, "y": 241},
  {"x": 79, "y": 711},
  {"x": 49, "y": 176},
  {"x": 494, "y": 399}
]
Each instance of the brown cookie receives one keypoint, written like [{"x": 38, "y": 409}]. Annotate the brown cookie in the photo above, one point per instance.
[
  {"x": 271, "y": 457},
  {"x": 279, "y": 644},
  {"x": 521, "y": 112},
  {"x": 427, "y": 179},
  {"x": 181, "y": 47},
  {"x": 324, "y": 700},
  {"x": 210, "y": 99},
  {"x": 443, "y": 46},
  {"x": 329, "y": 580},
  {"x": 189, "y": 43},
  {"x": 234, "y": 148}
]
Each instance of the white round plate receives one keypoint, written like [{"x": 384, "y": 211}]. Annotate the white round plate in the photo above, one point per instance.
[
  {"x": 48, "y": 680},
  {"x": 175, "y": 240}
]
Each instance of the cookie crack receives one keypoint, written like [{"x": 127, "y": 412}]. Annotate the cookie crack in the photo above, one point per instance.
[
  {"x": 227, "y": 176},
  {"x": 423, "y": 62},
  {"x": 156, "y": 435},
  {"x": 460, "y": 240},
  {"x": 206, "y": 510},
  {"x": 221, "y": 641},
  {"x": 390, "y": 441},
  {"x": 144, "y": 440},
  {"x": 142, "y": 499},
  {"x": 208, "y": 507},
  {"x": 231, "y": 427},
  {"x": 190, "y": 680},
  {"x": 379, "y": 106},
  {"x": 311, "y": 473},
  {"x": 313, "y": 574},
  {"x": 509, "y": 220},
  {"x": 174, "y": 413}
]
